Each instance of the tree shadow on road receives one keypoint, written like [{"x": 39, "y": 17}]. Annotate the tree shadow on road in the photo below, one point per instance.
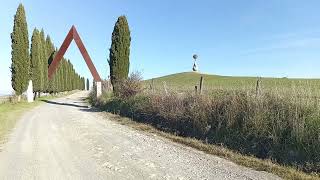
[
  {"x": 65, "y": 104},
  {"x": 91, "y": 109}
]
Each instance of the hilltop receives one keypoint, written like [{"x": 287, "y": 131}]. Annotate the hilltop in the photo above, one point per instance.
[{"x": 188, "y": 80}]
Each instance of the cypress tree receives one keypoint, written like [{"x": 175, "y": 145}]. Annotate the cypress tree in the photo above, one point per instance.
[
  {"x": 50, "y": 53},
  {"x": 79, "y": 82},
  {"x": 119, "y": 51},
  {"x": 61, "y": 76},
  {"x": 83, "y": 83},
  {"x": 58, "y": 78},
  {"x": 55, "y": 79},
  {"x": 88, "y": 84},
  {"x": 36, "y": 62},
  {"x": 75, "y": 81},
  {"x": 20, "y": 67},
  {"x": 74, "y": 86},
  {"x": 44, "y": 58},
  {"x": 62, "y": 79},
  {"x": 49, "y": 49},
  {"x": 69, "y": 74},
  {"x": 65, "y": 74},
  {"x": 58, "y": 73}
]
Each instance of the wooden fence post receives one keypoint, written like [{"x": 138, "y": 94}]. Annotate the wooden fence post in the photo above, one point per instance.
[
  {"x": 258, "y": 86},
  {"x": 165, "y": 87},
  {"x": 201, "y": 84},
  {"x": 152, "y": 85}
]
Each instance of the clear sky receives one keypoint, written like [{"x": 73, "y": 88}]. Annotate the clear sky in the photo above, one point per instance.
[{"x": 240, "y": 38}]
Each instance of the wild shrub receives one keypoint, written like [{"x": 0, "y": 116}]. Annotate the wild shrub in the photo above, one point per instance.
[
  {"x": 129, "y": 87},
  {"x": 93, "y": 96}
]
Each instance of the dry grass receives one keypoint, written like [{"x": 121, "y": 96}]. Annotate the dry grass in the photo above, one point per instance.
[
  {"x": 271, "y": 126},
  {"x": 282, "y": 124},
  {"x": 284, "y": 172}
]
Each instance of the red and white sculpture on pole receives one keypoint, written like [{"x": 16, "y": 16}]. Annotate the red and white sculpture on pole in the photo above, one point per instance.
[{"x": 195, "y": 66}]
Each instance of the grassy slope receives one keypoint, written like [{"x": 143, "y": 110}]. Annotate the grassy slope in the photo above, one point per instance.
[{"x": 188, "y": 80}]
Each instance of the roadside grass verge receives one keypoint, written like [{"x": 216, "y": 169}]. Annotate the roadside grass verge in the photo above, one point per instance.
[
  {"x": 11, "y": 112},
  {"x": 166, "y": 115},
  {"x": 285, "y": 172},
  {"x": 277, "y": 125},
  {"x": 268, "y": 126}
]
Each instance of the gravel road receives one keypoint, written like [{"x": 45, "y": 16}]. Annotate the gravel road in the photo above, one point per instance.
[{"x": 64, "y": 139}]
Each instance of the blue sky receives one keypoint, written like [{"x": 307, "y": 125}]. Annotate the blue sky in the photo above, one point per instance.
[{"x": 239, "y": 38}]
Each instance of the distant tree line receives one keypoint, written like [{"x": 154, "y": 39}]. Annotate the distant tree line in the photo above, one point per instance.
[{"x": 34, "y": 65}]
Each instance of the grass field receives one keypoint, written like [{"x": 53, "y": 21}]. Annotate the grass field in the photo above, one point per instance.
[
  {"x": 188, "y": 80},
  {"x": 280, "y": 124}
]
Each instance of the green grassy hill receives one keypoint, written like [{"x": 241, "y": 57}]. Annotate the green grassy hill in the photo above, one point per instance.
[{"x": 188, "y": 80}]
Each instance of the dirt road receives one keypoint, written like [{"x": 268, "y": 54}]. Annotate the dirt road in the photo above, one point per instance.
[{"x": 63, "y": 139}]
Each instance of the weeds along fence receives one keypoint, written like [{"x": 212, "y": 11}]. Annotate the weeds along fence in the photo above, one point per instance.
[
  {"x": 306, "y": 89},
  {"x": 276, "y": 123},
  {"x": 11, "y": 99},
  {"x": 4, "y": 99}
]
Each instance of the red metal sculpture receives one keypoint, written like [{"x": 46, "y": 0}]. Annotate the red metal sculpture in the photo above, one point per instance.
[{"x": 73, "y": 34}]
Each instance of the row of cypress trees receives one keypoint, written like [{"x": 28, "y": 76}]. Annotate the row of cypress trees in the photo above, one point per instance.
[
  {"x": 42, "y": 53},
  {"x": 35, "y": 65}
]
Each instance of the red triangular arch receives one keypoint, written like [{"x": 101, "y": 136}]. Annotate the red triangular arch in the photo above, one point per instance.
[{"x": 73, "y": 35}]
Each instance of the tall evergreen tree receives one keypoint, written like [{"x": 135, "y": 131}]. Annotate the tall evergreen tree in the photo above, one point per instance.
[
  {"x": 50, "y": 55},
  {"x": 54, "y": 78},
  {"x": 61, "y": 77},
  {"x": 58, "y": 79},
  {"x": 68, "y": 75},
  {"x": 49, "y": 49},
  {"x": 64, "y": 67},
  {"x": 20, "y": 67},
  {"x": 119, "y": 51},
  {"x": 88, "y": 84},
  {"x": 36, "y": 62},
  {"x": 83, "y": 83},
  {"x": 44, "y": 58}
]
